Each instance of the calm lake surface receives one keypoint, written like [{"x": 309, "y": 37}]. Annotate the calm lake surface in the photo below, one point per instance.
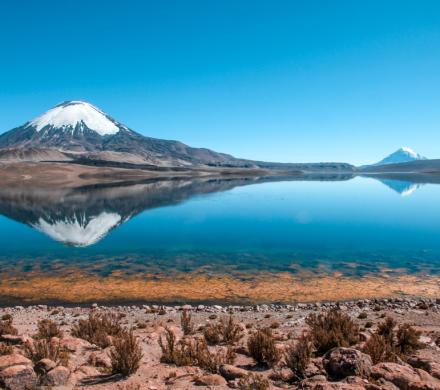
[{"x": 236, "y": 228}]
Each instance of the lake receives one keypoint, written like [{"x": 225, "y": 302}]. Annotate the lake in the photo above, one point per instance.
[{"x": 236, "y": 240}]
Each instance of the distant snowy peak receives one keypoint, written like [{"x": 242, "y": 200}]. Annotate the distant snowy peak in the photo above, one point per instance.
[
  {"x": 401, "y": 155},
  {"x": 76, "y": 114}
]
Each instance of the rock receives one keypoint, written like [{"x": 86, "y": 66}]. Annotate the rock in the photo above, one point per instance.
[
  {"x": 44, "y": 366},
  {"x": 73, "y": 344},
  {"x": 12, "y": 339},
  {"x": 432, "y": 367},
  {"x": 18, "y": 377},
  {"x": 13, "y": 360},
  {"x": 56, "y": 377},
  {"x": 343, "y": 362},
  {"x": 186, "y": 307},
  {"x": 210, "y": 380},
  {"x": 405, "y": 377},
  {"x": 231, "y": 372}
]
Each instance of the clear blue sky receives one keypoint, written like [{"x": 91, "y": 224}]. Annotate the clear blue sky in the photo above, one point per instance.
[{"x": 271, "y": 80}]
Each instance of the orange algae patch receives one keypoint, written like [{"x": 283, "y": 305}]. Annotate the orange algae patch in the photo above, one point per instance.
[{"x": 264, "y": 287}]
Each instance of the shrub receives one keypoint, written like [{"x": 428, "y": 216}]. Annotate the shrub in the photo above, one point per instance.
[
  {"x": 275, "y": 325},
  {"x": 297, "y": 356},
  {"x": 97, "y": 327},
  {"x": 363, "y": 315},
  {"x": 368, "y": 324},
  {"x": 5, "y": 349},
  {"x": 6, "y": 327},
  {"x": 212, "y": 334},
  {"x": 261, "y": 346},
  {"x": 332, "y": 329},
  {"x": 379, "y": 349},
  {"x": 225, "y": 331},
  {"x": 212, "y": 316},
  {"x": 126, "y": 353},
  {"x": 6, "y": 317},
  {"x": 231, "y": 331},
  {"x": 407, "y": 340},
  {"x": 48, "y": 329},
  {"x": 191, "y": 351},
  {"x": 253, "y": 382},
  {"x": 46, "y": 349},
  {"x": 186, "y": 323},
  {"x": 386, "y": 329}
]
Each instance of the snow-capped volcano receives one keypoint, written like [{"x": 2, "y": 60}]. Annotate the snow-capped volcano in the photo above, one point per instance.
[
  {"x": 78, "y": 130},
  {"x": 76, "y": 114},
  {"x": 401, "y": 155}
]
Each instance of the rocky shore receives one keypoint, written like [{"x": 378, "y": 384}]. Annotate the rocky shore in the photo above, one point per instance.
[{"x": 243, "y": 347}]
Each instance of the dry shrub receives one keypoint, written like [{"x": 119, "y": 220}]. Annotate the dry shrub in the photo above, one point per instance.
[
  {"x": 48, "y": 329},
  {"x": 46, "y": 349},
  {"x": 225, "y": 332},
  {"x": 386, "y": 330},
  {"x": 388, "y": 344},
  {"x": 407, "y": 340},
  {"x": 6, "y": 327},
  {"x": 261, "y": 346},
  {"x": 363, "y": 315},
  {"x": 379, "y": 349},
  {"x": 191, "y": 351},
  {"x": 332, "y": 329},
  {"x": 186, "y": 323},
  {"x": 275, "y": 325},
  {"x": 6, "y": 317},
  {"x": 297, "y": 356},
  {"x": 5, "y": 349},
  {"x": 97, "y": 327},
  {"x": 126, "y": 353},
  {"x": 253, "y": 382}
]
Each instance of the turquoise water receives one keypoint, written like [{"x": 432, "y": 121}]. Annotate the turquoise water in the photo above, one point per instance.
[{"x": 354, "y": 225}]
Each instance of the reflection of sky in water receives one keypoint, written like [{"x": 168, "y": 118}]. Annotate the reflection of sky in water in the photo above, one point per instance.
[{"x": 266, "y": 226}]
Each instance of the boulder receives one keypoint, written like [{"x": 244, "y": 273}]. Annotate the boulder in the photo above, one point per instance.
[
  {"x": 342, "y": 362},
  {"x": 14, "y": 359},
  {"x": 56, "y": 377},
  {"x": 73, "y": 344},
  {"x": 405, "y": 377},
  {"x": 18, "y": 377},
  {"x": 231, "y": 372},
  {"x": 44, "y": 366},
  {"x": 425, "y": 364},
  {"x": 210, "y": 380}
]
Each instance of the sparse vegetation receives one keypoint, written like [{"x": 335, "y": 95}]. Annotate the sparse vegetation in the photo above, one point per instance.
[
  {"x": 5, "y": 349},
  {"x": 48, "y": 329},
  {"x": 97, "y": 328},
  {"x": 6, "y": 327},
  {"x": 224, "y": 332},
  {"x": 126, "y": 353},
  {"x": 332, "y": 329},
  {"x": 388, "y": 344},
  {"x": 46, "y": 349},
  {"x": 253, "y": 382},
  {"x": 186, "y": 323},
  {"x": 297, "y": 356},
  {"x": 191, "y": 351},
  {"x": 363, "y": 315},
  {"x": 261, "y": 346}
]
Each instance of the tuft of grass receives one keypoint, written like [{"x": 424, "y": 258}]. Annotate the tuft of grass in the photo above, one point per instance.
[
  {"x": 97, "y": 328},
  {"x": 261, "y": 346},
  {"x": 186, "y": 323},
  {"x": 191, "y": 351},
  {"x": 253, "y": 382},
  {"x": 297, "y": 356},
  {"x": 46, "y": 349},
  {"x": 5, "y": 349},
  {"x": 126, "y": 353},
  {"x": 224, "y": 332},
  {"x": 332, "y": 329},
  {"x": 48, "y": 329},
  {"x": 6, "y": 327},
  {"x": 388, "y": 344}
]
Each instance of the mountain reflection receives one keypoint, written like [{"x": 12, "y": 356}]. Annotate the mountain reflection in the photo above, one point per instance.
[{"x": 83, "y": 216}]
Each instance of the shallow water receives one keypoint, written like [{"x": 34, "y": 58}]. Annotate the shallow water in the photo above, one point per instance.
[{"x": 243, "y": 229}]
